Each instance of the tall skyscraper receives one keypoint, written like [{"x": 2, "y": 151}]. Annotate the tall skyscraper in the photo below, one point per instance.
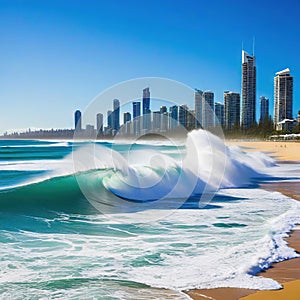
[
  {"x": 283, "y": 96},
  {"x": 198, "y": 108},
  {"x": 136, "y": 113},
  {"x": 109, "y": 119},
  {"x": 248, "y": 90},
  {"x": 232, "y": 107},
  {"x": 219, "y": 114},
  {"x": 191, "y": 120},
  {"x": 183, "y": 115},
  {"x": 146, "y": 100},
  {"x": 207, "y": 109},
  {"x": 136, "y": 109},
  {"x": 146, "y": 110},
  {"x": 116, "y": 115},
  {"x": 264, "y": 108},
  {"x": 173, "y": 122},
  {"x": 99, "y": 123},
  {"x": 77, "y": 120},
  {"x": 164, "y": 121}
]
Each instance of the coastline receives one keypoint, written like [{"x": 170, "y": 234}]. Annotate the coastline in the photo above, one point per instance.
[{"x": 286, "y": 272}]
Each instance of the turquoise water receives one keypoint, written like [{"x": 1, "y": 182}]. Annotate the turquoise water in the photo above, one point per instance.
[{"x": 56, "y": 244}]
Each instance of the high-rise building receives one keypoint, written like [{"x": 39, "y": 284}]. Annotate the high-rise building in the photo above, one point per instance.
[
  {"x": 198, "y": 108},
  {"x": 77, "y": 120},
  {"x": 136, "y": 109},
  {"x": 136, "y": 114},
  {"x": 283, "y": 96},
  {"x": 116, "y": 115},
  {"x": 146, "y": 100},
  {"x": 232, "y": 107},
  {"x": 219, "y": 114},
  {"x": 109, "y": 119},
  {"x": 126, "y": 117},
  {"x": 99, "y": 123},
  {"x": 264, "y": 109},
  {"x": 207, "y": 109},
  {"x": 173, "y": 121},
  {"x": 183, "y": 115},
  {"x": 191, "y": 120},
  {"x": 146, "y": 110},
  {"x": 163, "y": 118},
  {"x": 248, "y": 90}
]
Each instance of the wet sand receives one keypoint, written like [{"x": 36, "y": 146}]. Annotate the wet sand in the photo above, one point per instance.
[{"x": 286, "y": 272}]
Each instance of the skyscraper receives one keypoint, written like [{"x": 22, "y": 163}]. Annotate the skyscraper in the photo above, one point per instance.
[
  {"x": 77, "y": 120},
  {"x": 173, "y": 121},
  {"x": 116, "y": 115},
  {"x": 146, "y": 110},
  {"x": 198, "y": 108},
  {"x": 208, "y": 109},
  {"x": 146, "y": 100},
  {"x": 109, "y": 119},
  {"x": 136, "y": 113},
  {"x": 248, "y": 90},
  {"x": 99, "y": 122},
  {"x": 136, "y": 109},
  {"x": 283, "y": 96},
  {"x": 219, "y": 114},
  {"x": 232, "y": 106},
  {"x": 264, "y": 109},
  {"x": 183, "y": 115}
]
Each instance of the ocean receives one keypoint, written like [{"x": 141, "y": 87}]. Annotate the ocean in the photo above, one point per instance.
[{"x": 112, "y": 220}]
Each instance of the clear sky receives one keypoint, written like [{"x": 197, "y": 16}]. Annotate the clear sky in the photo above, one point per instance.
[{"x": 57, "y": 55}]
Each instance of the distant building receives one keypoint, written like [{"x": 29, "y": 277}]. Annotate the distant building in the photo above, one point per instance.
[
  {"x": 89, "y": 130},
  {"x": 207, "y": 109},
  {"x": 156, "y": 121},
  {"x": 116, "y": 115},
  {"x": 183, "y": 115},
  {"x": 146, "y": 110},
  {"x": 191, "y": 120},
  {"x": 163, "y": 118},
  {"x": 136, "y": 114},
  {"x": 126, "y": 117},
  {"x": 248, "y": 90},
  {"x": 109, "y": 119},
  {"x": 77, "y": 120},
  {"x": 286, "y": 125},
  {"x": 232, "y": 106},
  {"x": 173, "y": 121},
  {"x": 146, "y": 100},
  {"x": 99, "y": 123},
  {"x": 198, "y": 107},
  {"x": 264, "y": 109},
  {"x": 219, "y": 114},
  {"x": 283, "y": 96}
]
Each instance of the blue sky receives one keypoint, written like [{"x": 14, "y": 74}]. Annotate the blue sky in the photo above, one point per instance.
[{"x": 56, "y": 56}]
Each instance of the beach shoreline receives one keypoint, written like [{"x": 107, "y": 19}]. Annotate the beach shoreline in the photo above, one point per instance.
[{"x": 286, "y": 272}]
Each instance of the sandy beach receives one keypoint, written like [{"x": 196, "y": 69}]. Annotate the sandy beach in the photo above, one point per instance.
[
  {"x": 286, "y": 151},
  {"x": 286, "y": 272}
]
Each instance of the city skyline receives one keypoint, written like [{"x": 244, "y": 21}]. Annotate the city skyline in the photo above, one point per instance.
[{"x": 55, "y": 54}]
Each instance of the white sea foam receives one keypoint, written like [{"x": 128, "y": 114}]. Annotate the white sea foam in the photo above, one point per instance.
[{"x": 189, "y": 249}]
